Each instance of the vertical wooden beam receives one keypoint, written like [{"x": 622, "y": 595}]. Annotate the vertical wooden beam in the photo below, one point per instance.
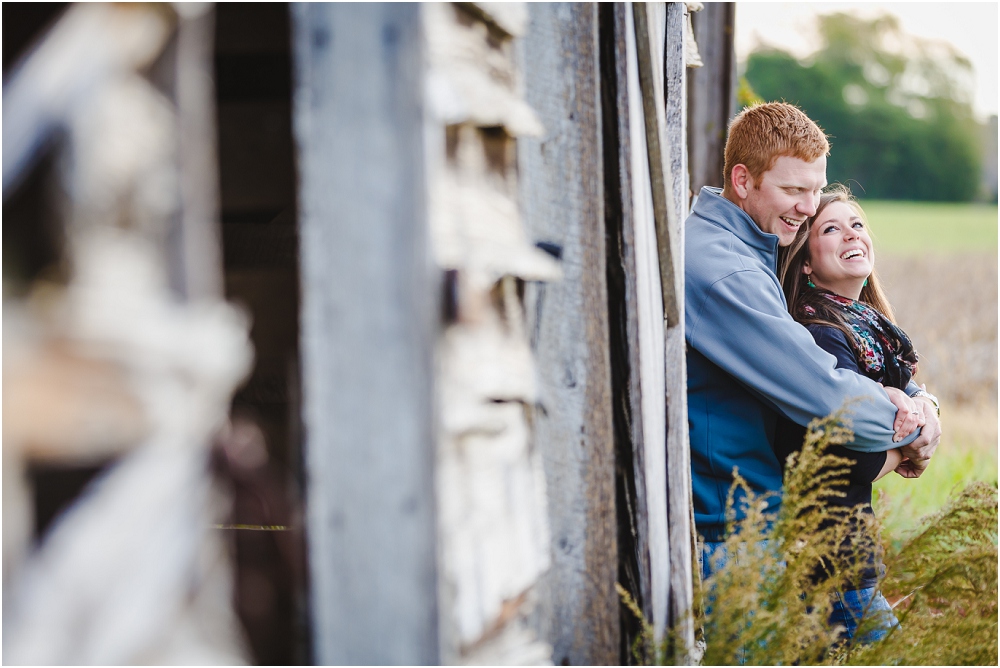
[
  {"x": 562, "y": 194},
  {"x": 630, "y": 493},
  {"x": 661, "y": 45},
  {"x": 645, "y": 312},
  {"x": 199, "y": 235},
  {"x": 711, "y": 93},
  {"x": 649, "y": 47},
  {"x": 367, "y": 333},
  {"x": 679, "y": 502}
]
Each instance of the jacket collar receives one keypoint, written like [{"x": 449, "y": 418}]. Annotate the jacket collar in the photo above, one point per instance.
[{"x": 716, "y": 209}]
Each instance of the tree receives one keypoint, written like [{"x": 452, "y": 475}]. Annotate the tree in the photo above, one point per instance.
[{"x": 897, "y": 108}]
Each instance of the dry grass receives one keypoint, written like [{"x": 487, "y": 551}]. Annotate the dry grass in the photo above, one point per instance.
[
  {"x": 948, "y": 306},
  {"x": 763, "y": 604}
]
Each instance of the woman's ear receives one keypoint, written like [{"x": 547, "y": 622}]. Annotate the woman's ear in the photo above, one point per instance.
[{"x": 806, "y": 269}]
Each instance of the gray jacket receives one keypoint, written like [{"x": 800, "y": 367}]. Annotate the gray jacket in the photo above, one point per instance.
[{"x": 748, "y": 360}]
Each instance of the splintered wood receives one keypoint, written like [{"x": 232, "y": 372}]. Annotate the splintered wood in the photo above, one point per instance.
[
  {"x": 113, "y": 364},
  {"x": 493, "y": 534},
  {"x": 562, "y": 190}
]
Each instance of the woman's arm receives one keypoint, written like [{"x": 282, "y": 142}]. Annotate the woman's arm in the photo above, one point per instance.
[
  {"x": 867, "y": 467},
  {"x": 892, "y": 460}
]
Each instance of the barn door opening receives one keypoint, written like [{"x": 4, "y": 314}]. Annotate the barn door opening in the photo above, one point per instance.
[{"x": 261, "y": 454}]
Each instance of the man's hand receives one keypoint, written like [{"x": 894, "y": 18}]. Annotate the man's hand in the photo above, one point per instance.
[
  {"x": 924, "y": 445},
  {"x": 909, "y": 416},
  {"x": 909, "y": 468}
]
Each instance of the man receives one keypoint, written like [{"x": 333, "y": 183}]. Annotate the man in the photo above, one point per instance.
[{"x": 747, "y": 359}]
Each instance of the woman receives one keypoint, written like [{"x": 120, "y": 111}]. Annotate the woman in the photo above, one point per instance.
[{"x": 828, "y": 275}]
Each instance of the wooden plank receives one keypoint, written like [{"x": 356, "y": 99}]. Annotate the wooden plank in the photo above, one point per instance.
[
  {"x": 633, "y": 539},
  {"x": 367, "y": 333},
  {"x": 649, "y": 52},
  {"x": 647, "y": 358},
  {"x": 561, "y": 183},
  {"x": 58, "y": 75},
  {"x": 679, "y": 501},
  {"x": 711, "y": 93},
  {"x": 198, "y": 234}
]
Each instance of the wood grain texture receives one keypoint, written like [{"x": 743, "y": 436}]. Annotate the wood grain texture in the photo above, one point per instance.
[
  {"x": 649, "y": 337},
  {"x": 562, "y": 194},
  {"x": 649, "y": 46},
  {"x": 711, "y": 93},
  {"x": 679, "y": 501},
  {"x": 367, "y": 333},
  {"x": 633, "y": 533}
]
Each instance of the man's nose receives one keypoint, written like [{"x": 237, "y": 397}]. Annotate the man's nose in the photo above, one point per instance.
[{"x": 808, "y": 205}]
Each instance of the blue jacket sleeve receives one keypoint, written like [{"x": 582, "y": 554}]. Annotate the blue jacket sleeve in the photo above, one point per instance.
[{"x": 741, "y": 325}]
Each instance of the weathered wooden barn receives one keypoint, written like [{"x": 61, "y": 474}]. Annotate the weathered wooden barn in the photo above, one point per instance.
[{"x": 350, "y": 333}]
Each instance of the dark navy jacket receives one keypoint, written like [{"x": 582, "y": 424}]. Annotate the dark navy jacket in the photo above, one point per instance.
[{"x": 747, "y": 360}]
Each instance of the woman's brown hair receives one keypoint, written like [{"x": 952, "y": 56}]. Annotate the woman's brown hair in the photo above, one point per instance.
[{"x": 792, "y": 258}]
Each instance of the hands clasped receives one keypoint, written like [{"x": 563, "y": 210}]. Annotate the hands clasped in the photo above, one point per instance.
[{"x": 912, "y": 413}]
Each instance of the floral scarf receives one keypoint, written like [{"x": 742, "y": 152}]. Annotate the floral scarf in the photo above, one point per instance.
[{"x": 885, "y": 354}]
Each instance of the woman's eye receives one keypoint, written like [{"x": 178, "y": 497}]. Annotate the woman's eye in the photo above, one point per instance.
[
  {"x": 831, "y": 228},
  {"x": 858, "y": 225}
]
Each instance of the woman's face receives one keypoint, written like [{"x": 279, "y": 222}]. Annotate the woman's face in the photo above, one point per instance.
[{"x": 841, "y": 256}]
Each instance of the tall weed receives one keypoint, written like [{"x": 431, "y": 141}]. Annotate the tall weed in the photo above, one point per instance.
[{"x": 765, "y": 604}]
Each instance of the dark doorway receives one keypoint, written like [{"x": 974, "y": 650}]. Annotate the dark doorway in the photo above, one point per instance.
[{"x": 253, "y": 71}]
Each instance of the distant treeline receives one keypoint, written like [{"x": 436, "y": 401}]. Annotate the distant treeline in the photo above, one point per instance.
[{"x": 897, "y": 108}]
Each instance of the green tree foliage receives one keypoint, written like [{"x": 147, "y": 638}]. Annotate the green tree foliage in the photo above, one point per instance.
[{"x": 898, "y": 108}]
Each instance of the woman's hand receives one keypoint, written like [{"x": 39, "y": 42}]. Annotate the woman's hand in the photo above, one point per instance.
[{"x": 908, "y": 415}]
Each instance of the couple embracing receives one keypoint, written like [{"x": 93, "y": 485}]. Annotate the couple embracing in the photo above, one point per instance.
[{"x": 786, "y": 322}]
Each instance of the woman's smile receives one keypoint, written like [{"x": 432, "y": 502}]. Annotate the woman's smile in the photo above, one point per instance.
[{"x": 840, "y": 251}]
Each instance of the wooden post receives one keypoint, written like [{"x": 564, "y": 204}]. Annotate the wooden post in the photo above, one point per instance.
[
  {"x": 711, "y": 93},
  {"x": 660, "y": 42},
  {"x": 367, "y": 333},
  {"x": 562, "y": 194},
  {"x": 197, "y": 234},
  {"x": 679, "y": 502},
  {"x": 637, "y": 306},
  {"x": 630, "y": 499}
]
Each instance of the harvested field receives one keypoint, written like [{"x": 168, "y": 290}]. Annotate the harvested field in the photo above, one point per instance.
[
  {"x": 948, "y": 306},
  {"x": 947, "y": 303}
]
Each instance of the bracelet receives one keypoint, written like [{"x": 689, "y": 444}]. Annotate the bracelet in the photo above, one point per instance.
[{"x": 930, "y": 397}]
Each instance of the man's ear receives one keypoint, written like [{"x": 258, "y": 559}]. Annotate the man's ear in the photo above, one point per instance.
[{"x": 740, "y": 180}]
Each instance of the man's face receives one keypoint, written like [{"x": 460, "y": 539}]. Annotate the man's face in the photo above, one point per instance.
[{"x": 785, "y": 196}]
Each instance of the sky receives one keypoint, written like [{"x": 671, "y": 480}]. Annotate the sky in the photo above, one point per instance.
[{"x": 971, "y": 27}]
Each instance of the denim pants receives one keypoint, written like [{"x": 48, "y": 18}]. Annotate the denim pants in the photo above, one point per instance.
[
  {"x": 847, "y": 610},
  {"x": 708, "y": 554},
  {"x": 850, "y": 606}
]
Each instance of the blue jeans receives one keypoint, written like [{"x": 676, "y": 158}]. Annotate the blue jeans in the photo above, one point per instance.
[
  {"x": 850, "y": 606},
  {"x": 847, "y": 610},
  {"x": 712, "y": 550},
  {"x": 708, "y": 550}
]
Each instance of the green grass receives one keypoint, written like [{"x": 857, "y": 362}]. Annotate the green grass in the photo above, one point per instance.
[
  {"x": 906, "y": 501},
  {"x": 921, "y": 227}
]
